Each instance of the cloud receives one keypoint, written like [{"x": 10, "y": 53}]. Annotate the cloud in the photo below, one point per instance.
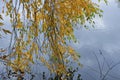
[
  {"x": 99, "y": 23},
  {"x": 104, "y": 36}
]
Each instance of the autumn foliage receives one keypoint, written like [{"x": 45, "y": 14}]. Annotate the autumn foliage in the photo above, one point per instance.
[{"x": 42, "y": 29}]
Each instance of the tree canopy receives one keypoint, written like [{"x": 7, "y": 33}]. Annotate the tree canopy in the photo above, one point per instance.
[{"x": 41, "y": 30}]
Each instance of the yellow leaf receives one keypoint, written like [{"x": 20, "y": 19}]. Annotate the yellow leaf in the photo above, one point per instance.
[
  {"x": 1, "y": 17},
  {"x": 1, "y": 24},
  {"x": 6, "y": 31},
  {"x": 26, "y": 0},
  {"x": 19, "y": 25}
]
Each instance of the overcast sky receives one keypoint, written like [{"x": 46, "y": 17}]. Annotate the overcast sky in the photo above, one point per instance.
[{"x": 105, "y": 37}]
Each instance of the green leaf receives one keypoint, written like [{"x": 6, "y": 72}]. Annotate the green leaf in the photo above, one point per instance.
[{"x": 106, "y": 1}]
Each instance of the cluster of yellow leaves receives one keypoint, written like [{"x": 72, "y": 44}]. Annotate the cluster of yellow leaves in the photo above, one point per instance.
[
  {"x": 58, "y": 19},
  {"x": 23, "y": 56},
  {"x": 19, "y": 23},
  {"x": 52, "y": 18}
]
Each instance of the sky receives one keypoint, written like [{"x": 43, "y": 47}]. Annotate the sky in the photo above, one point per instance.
[{"x": 105, "y": 37}]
